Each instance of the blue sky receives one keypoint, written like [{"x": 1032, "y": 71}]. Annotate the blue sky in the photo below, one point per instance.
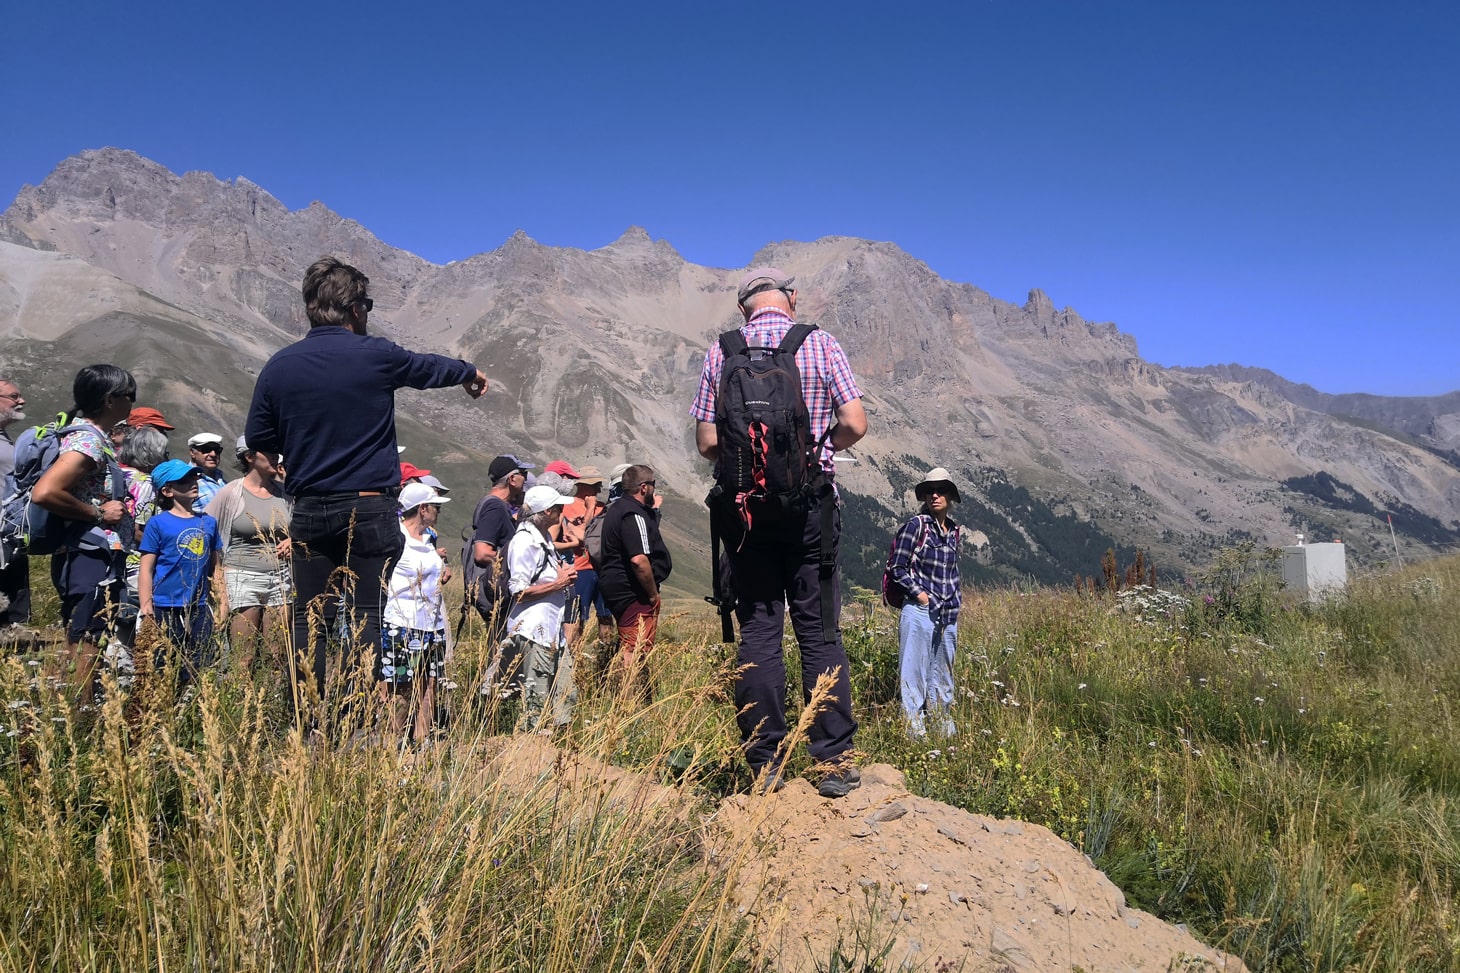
[{"x": 1266, "y": 183}]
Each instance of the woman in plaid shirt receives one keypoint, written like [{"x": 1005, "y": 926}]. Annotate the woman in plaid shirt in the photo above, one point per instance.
[{"x": 924, "y": 563}]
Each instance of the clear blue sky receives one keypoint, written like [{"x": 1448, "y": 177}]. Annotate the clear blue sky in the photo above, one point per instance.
[{"x": 1272, "y": 183}]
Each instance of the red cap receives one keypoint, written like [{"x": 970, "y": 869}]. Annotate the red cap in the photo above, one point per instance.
[
  {"x": 408, "y": 472},
  {"x": 147, "y": 416},
  {"x": 562, "y": 468}
]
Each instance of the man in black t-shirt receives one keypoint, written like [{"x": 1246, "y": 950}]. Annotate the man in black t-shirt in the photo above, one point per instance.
[
  {"x": 635, "y": 563},
  {"x": 492, "y": 526}
]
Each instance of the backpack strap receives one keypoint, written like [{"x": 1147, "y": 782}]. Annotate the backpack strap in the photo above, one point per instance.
[
  {"x": 547, "y": 555},
  {"x": 827, "y": 564},
  {"x": 725, "y": 605},
  {"x": 108, "y": 456},
  {"x": 795, "y": 338},
  {"x": 732, "y": 342}
]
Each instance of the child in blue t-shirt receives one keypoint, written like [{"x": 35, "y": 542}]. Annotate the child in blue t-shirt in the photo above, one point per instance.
[{"x": 179, "y": 552}]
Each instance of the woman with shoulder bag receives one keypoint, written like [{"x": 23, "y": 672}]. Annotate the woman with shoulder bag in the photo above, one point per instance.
[{"x": 924, "y": 563}]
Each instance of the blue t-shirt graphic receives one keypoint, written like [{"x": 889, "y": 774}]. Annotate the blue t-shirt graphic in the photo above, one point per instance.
[{"x": 183, "y": 546}]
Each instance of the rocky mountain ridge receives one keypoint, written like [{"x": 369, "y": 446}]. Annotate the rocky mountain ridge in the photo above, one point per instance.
[{"x": 594, "y": 355}]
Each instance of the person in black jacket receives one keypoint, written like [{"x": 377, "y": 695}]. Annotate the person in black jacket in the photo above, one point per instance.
[
  {"x": 327, "y": 402},
  {"x": 635, "y": 564}
]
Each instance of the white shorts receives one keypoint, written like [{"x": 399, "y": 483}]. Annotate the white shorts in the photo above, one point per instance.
[{"x": 254, "y": 589}]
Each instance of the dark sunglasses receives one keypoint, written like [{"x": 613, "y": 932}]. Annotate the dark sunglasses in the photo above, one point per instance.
[
  {"x": 369, "y": 303},
  {"x": 209, "y": 448}
]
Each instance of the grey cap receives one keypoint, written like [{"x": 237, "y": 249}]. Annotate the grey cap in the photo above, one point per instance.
[
  {"x": 760, "y": 279},
  {"x": 241, "y": 447},
  {"x": 617, "y": 473},
  {"x": 435, "y": 484}
]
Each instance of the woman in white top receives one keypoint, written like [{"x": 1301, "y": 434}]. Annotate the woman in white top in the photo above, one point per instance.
[
  {"x": 539, "y": 583},
  {"x": 413, "y": 625}
]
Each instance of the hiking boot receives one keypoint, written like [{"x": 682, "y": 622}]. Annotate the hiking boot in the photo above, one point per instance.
[
  {"x": 840, "y": 782},
  {"x": 768, "y": 780}
]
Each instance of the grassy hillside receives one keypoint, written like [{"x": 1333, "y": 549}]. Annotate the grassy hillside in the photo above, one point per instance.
[{"x": 1283, "y": 778}]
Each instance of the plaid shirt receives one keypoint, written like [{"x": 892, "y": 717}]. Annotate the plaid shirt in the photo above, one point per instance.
[
  {"x": 827, "y": 382},
  {"x": 925, "y": 558}
]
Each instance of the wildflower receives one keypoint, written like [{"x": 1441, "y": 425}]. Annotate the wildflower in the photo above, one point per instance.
[
  {"x": 934, "y": 754},
  {"x": 1258, "y": 700},
  {"x": 1083, "y": 685},
  {"x": 19, "y": 704}
]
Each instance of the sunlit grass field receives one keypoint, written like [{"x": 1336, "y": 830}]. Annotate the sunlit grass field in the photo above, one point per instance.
[{"x": 1283, "y": 778}]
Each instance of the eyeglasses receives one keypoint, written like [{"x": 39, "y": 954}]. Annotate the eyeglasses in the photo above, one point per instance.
[
  {"x": 368, "y": 302},
  {"x": 211, "y": 448},
  {"x": 649, "y": 483}
]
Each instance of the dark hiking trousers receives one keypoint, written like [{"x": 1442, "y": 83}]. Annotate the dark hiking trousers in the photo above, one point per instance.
[
  {"x": 778, "y": 570},
  {"x": 344, "y": 549}
]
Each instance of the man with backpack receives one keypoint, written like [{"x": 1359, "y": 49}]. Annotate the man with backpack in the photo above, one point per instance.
[
  {"x": 492, "y": 525},
  {"x": 14, "y": 571},
  {"x": 775, "y": 400}
]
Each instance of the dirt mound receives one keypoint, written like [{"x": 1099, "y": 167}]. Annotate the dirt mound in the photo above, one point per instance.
[{"x": 929, "y": 883}]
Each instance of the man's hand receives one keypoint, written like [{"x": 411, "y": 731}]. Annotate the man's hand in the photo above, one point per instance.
[{"x": 476, "y": 386}]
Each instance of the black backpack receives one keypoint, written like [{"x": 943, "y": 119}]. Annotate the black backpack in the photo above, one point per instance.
[{"x": 768, "y": 465}]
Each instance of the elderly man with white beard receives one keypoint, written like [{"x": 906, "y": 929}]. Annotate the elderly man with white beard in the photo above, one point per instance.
[{"x": 14, "y": 577}]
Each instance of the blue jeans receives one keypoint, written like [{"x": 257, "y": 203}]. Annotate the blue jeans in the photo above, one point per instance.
[
  {"x": 925, "y": 663},
  {"x": 344, "y": 549}
]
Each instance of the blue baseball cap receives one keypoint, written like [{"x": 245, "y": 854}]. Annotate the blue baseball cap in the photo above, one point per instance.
[{"x": 171, "y": 471}]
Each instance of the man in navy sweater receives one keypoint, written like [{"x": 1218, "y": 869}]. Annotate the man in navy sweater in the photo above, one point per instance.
[{"x": 327, "y": 403}]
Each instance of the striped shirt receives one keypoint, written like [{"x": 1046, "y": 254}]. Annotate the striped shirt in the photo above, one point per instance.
[
  {"x": 827, "y": 382},
  {"x": 925, "y": 558}
]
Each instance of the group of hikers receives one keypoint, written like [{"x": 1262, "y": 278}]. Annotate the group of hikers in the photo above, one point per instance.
[{"x": 344, "y": 551}]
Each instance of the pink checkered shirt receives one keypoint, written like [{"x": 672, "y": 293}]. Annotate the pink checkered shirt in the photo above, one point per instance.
[{"x": 827, "y": 382}]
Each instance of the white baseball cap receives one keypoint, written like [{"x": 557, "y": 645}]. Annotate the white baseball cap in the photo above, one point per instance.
[
  {"x": 412, "y": 495},
  {"x": 540, "y": 498}
]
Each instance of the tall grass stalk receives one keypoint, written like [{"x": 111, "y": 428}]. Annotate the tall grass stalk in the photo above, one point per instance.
[{"x": 1283, "y": 778}]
